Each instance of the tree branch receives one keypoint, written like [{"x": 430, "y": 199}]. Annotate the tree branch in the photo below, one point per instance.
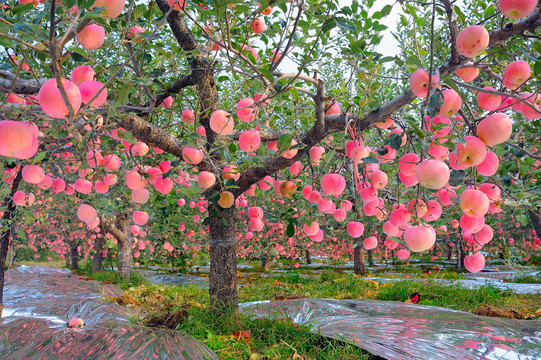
[
  {"x": 175, "y": 88},
  {"x": 19, "y": 86},
  {"x": 151, "y": 134}
]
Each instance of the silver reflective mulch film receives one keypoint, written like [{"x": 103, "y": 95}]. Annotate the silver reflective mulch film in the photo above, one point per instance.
[
  {"x": 400, "y": 331},
  {"x": 39, "y": 301}
]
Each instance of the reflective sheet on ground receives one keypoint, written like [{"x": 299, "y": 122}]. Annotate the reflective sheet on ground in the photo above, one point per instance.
[
  {"x": 39, "y": 301},
  {"x": 400, "y": 331}
]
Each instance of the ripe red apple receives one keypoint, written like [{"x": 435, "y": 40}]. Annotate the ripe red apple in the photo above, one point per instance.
[
  {"x": 258, "y": 25},
  {"x": 495, "y": 129},
  {"x": 419, "y": 82},
  {"x": 420, "y": 238},
  {"x": 468, "y": 74},
  {"x": 288, "y": 188},
  {"x": 111, "y": 8},
  {"x": 227, "y": 199},
  {"x": 433, "y": 174},
  {"x": 92, "y": 36},
  {"x": 516, "y": 9},
  {"x": 472, "y": 41},
  {"x": 51, "y": 101},
  {"x": 487, "y": 101}
]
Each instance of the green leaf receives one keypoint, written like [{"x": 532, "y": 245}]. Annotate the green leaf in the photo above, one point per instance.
[
  {"x": 459, "y": 14},
  {"x": 126, "y": 135},
  {"x": 21, "y": 8},
  {"x": 290, "y": 231},
  {"x": 435, "y": 103},
  {"x": 22, "y": 27},
  {"x": 232, "y": 148},
  {"x": 370, "y": 160},
  {"x": 224, "y": 223},
  {"x": 537, "y": 69},
  {"x": 39, "y": 157},
  {"x": 284, "y": 142},
  {"x": 328, "y": 25},
  {"x": 343, "y": 26},
  {"x": 414, "y": 60},
  {"x": 85, "y": 4},
  {"x": 452, "y": 85},
  {"x": 386, "y": 10},
  {"x": 267, "y": 74},
  {"x": 457, "y": 177},
  {"x": 395, "y": 140},
  {"x": 294, "y": 92}
]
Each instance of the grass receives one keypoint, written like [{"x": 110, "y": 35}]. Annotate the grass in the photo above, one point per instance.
[
  {"x": 109, "y": 276},
  {"x": 530, "y": 279},
  {"x": 337, "y": 285},
  {"x": 56, "y": 263},
  {"x": 268, "y": 339}
]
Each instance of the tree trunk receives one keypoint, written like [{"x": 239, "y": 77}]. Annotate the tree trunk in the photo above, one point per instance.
[
  {"x": 265, "y": 264},
  {"x": 460, "y": 254},
  {"x": 308, "y": 257},
  {"x": 11, "y": 253},
  {"x": 535, "y": 217},
  {"x": 6, "y": 233},
  {"x": 223, "y": 260},
  {"x": 124, "y": 239},
  {"x": 98, "y": 254},
  {"x": 68, "y": 262},
  {"x": 124, "y": 258},
  {"x": 370, "y": 259},
  {"x": 450, "y": 253},
  {"x": 358, "y": 260},
  {"x": 74, "y": 255}
]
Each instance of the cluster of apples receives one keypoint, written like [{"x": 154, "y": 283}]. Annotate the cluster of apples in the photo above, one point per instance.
[{"x": 81, "y": 89}]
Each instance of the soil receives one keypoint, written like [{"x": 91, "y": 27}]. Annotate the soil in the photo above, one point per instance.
[
  {"x": 495, "y": 312},
  {"x": 126, "y": 300},
  {"x": 169, "y": 319},
  {"x": 281, "y": 297}
]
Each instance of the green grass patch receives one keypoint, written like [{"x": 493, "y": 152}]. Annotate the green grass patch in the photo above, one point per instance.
[
  {"x": 530, "y": 279},
  {"x": 267, "y": 339},
  {"x": 111, "y": 276}
]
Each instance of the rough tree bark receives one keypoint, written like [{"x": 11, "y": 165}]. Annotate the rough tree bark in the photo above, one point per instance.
[
  {"x": 68, "y": 260},
  {"x": 97, "y": 260},
  {"x": 6, "y": 232},
  {"x": 308, "y": 257},
  {"x": 120, "y": 230},
  {"x": 265, "y": 263},
  {"x": 124, "y": 248},
  {"x": 74, "y": 254},
  {"x": 535, "y": 217},
  {"x": 358, "y": 261},
  {"x": 460, "y": 254},
  {"x": 370, "y": 259},
  {"x": 223, "y": 260}
]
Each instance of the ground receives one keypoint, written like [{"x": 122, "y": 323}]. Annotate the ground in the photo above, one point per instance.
[{"x": 186, "y": 308}]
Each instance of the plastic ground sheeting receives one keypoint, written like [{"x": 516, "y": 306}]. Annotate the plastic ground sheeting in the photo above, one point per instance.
[
  {"x": 399, "y": 331},
  {"x": 164, "y": 278},
  {"x": 39, "y": 301}
]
